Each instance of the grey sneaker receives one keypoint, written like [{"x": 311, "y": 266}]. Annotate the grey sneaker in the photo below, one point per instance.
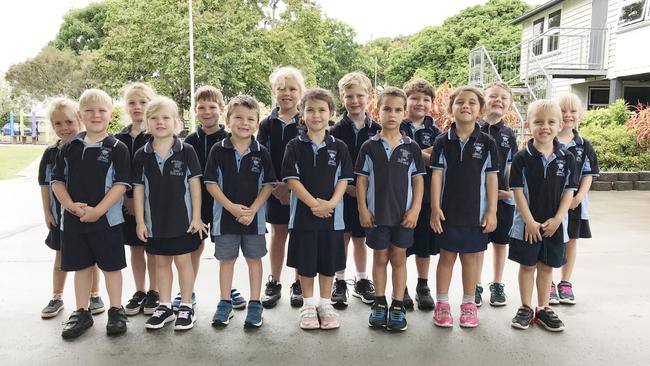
[
  {"x": 553, "y": 299},
  {"x": 497, "y": 295},
  {"x": 565, "y": 292},
  {"x": 478, "y": 299},
  {"x": 96, "y": 305},
  {"x": 52, "y": 309}
]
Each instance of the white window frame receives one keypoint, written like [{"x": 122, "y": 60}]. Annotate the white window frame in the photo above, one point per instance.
[
  {"x": 644, "y": 12},
  {"x": 591, "y": 105},
  {"x": 555, "y": 35}
]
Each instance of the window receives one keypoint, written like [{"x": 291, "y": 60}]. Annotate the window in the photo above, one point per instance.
[
  {"x": 632, "y": 11},
  {"x": 538, "y": 43},
  {"x": 554, "y": 39},
  {"x": 635, "y": 95},
  {"x": 598, "y": 98}
]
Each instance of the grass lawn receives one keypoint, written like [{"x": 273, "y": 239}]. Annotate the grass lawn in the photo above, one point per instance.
[{"x": 14, "y": 159}]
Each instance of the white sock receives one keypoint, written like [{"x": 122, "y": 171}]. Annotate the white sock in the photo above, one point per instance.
[
  {"x": 324, "y": 301},
  {"x": 186, "y": 304},
  {"x": 362, "y": 276},
  {"x": 311, "y": 301},
  {"x": 167, "y": 304},
  {"x": 468, "y": 299},
  {"x": 442, "y": 298},
  {"x": 339, "y": 275}
]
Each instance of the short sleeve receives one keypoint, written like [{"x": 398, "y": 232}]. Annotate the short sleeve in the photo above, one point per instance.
[
  {"x": 572, "y": 180},
  {"x": 211, "y": 173},
  {"x": 417, "y": 160},
  {"x": 193, "y": 165},
  {"x": 267, "y": 165},
  {"x": 493, "y": 157},
  {"x": 43, "y": 179},
  {"x": 590, "y": 166},
  {"x": 364, "y": 161},
  {"x": 513, "y": 147},
  {"x": 438, "y": 160},
  {"x": 121, "y": 165},
  {"x": 347, "y": 171},
  {"x": 137, "y": 171},
  {"x": 517, "y": 172},
  {"x": 60, "y": 171},
  {"x": 263, "y": 134},
  {"x": 290, "y": 168}
]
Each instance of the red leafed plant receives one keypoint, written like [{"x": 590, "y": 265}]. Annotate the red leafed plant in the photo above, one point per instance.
[
  {"x": 373, "y": 112},
  {"x": 640, "y": 123}
]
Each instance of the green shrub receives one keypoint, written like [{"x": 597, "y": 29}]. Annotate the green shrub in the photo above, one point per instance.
[
  {"x": 116, "y": 124},
  {"x": 616, "y": 147},
  {"x": 616, "y": 114}
]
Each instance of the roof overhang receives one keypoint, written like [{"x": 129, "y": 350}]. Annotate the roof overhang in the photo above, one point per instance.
[{"x": 535, "y": 11}]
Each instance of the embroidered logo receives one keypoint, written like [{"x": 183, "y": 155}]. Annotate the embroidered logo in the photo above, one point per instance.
[
  {"x": 426, "y": 139},
  {"x": 478, "y": 150},
  {"x": 104, "y": 155},
  {"x": 560, "y": 168},
  {"x": 178, "y": 168},
  {"x": 505, "y": 140},
  {"x": 404, "y": 157},
  {"x": 579, "y": 153},
  {"x": 331, "y": 155},
  {"x": 256, "y": 164}
]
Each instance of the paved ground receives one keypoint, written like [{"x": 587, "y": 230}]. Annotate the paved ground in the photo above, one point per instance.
[{"x": 608, "y": 326}]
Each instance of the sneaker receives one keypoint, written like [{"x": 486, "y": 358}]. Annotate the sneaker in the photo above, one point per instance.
[
  {"x": 340, "y": 294},
  {"x": 468, "y": 315},
  {"x": 96, "y": 305},
  {"x": 424, "y": 298},
  {"x": 309, "y": 317},
  {"x": 478, "y": 298},
  {"x": 497, "y": 295},
  {"x": 185, "y": 319},
  {"x": 194, "y": 302},
  {"x": 161, "y": 316},
  {"x": 77, "y": 324},
  {"x": 238, "y": 300},
  {"x": 176, "y": 303},
  {"x": 116, "y": 323},
  {"x": 272, "y": 293},
  {"x": 223, "y": 314},
  {"x": 408, "y": 301},
  {"x": 136, "y": 303},
  {"x": 396, "y": 318},
  {"x": 524, "y": 318},
  {"x": 565, "y": 292},
  {"x": 295, "y": 294},
  {"x": 329, "y": 319},
  {"x": 547, "y": 318},
  {"x": 254, "y": 315},
  {"x": 442, "y": 315},
  {"x": 553, "y": 299},
  {"x": 151, "y": 302},
  {"x": 52, "y": 309},
  {"x": 365, "y": 290},
  {"x": 378, "y": 315}
]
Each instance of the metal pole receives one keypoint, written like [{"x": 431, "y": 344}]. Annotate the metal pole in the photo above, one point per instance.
[
  {"x": 191, "y": 28},
  {"x": 375, "y": 72}
]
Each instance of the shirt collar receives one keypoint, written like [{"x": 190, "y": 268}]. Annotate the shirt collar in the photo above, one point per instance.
[
  {"x": 451, "y": 134},
  {"x": 499, "y": 125},
  {"x": 275, "y": 115},
  {"x": 404, "y": 140},
  {"x": 202, "y": 133},
  {"x": 108, "y": 141},
  {"x": 176, "y": 146},
  {"x": 367, "y": 122},
  {"x": 227, "y": 143},
  {"x": 304, "y": 137},
  {"x": 532, "y": 151}
]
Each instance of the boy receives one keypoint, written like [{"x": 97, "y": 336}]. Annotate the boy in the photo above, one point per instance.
[
  {"x": 543, "y": 178},
  {"x": 91, "y": 174},
  {"x": 240, "y": 177},
  {"x": 389, "y": 193},
  {"x": 354, "y": 128},
  {"x": 421, "y": 127}
]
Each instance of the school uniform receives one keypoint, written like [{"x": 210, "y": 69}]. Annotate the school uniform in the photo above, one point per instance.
[
  {"x": 587, "y": 165},
  {"x": 241, "y": 178},
  {"x": 390, "y": 191},
  {"x": 423, "y": 235},
  {"x": 45, "y": 168},
  {"x": 316, "y": 244},
  {"x": 346, "y": 131},
  {"x": 133, "y": 143},
  {"x": 543, "y": 182},
  {"x": 202, "y": 144},
  {"x": 89, "y": 171},
  {"x": 167, "y": 199},
  {"x": 507, "y": 148},
  {"x": 465, "y": 166},
  {"x": 275, "y": 134}
]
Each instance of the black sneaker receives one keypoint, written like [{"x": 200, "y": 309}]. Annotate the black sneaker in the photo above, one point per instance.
[
  {"x": 408, "y": 302},
  {"x": 185, "y": 319},
  {"x": 365, "y": 290},
  {"x": 77, "y": 324},
  {"x": 116, "y": 323},
  {"x": 272, "y": 293},
  {"x": 151, "y": 302},
  {"x": 136, "y": 303},
  {"x": 478, "y": 299},
  {"x": 497, "y": 295},
  {"x": 340, "y": 294},
  {"x": 547, "y": 318},
  {"x": 52, "y": 309},
  {"x": 424, "y": 298},
  {"x": 524, "y": 318},
  {"x": 295, "y": 294},
  {"x": 161, "y": 316}
]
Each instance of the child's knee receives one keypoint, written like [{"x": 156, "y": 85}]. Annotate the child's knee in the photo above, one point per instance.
[
  {"x": 380, "y": 257},
  {"x": 527, "y": 269}
]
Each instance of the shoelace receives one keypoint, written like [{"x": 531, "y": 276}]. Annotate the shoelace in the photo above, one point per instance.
[
  {"x": 378, "y": 310},
  {"x": 365, "y": 285},
  {"x": 340, "y": 286},
  {"x": 443, "y": 312},
  {"x": 397, "y": 314},
  {"x": 309, "y": 312},
  {"x": 468, "y": 312},
  {"x": 328, "y": 312},
  {"x": 497, "y": 288}
]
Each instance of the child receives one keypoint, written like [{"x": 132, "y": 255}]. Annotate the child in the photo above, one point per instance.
[
  {"x": 587, "y": 168},
  {"x": 317, "y": 168},
  {"x": 498, "y": 100},
  {"x": 167, "y": 202},
  {"x": 276, "y": 130},
  {"x": 463, "y": 201},
  {"x": 421, "y": 127},
  {"x": 542, "y": 178},
  {"x": 136, "y": 98},
  {"x": 240, "y": 177},
  {"x": 354, "y": 128},
  {"x": 91, "y": 174},
  {"x": 389, "y": 194},
  {"x": 64, "y": 117}
]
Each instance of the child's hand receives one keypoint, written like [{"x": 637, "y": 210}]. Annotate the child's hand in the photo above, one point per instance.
[
  {"x": 49, "y": 220},
  {"x": 323, "y": 210},
  {"x": 246, "y": 219},
  {"x": 489, "y": 222},
  {"x": 128, "y": 206},
  {"x": 198, "y": 226},
  {"x": 91, "y": 214},
  {"x": 238, "y": 210},
  {"x": 141, "y": 232},
  {"x": 504, "y": 195},
  {"x": 575, "y": 202},
  {"x": 550, "y": 226},
  {"x": 282, "y": 193},
  {"x": 533, "y": 233},
  {"x": 351, "y": 190},
  {"x": 77, "y": 209},
  {"x": 437, "y": 217},
  {"x": 365, "y": 218},
  {"x": 410, "y": 218}
]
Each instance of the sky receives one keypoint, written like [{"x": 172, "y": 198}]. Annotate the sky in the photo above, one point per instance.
[{"x": 27, "y": 25}]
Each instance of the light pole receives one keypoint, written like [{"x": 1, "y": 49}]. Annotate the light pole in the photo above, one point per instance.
[{"x": 191, "y": 26}]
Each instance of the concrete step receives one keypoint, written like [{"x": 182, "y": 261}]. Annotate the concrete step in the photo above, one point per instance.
[
  {"x": 642, "y": 185},
  {"x": 623, "y": 185},
  {"x": 601, "y": 186}
]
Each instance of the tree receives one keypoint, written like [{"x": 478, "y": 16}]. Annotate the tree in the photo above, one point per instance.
[{"x": 82, "y": 29}]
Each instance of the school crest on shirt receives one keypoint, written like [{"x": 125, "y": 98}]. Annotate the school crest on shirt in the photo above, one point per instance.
[
  {"x": 426, "y": 139},
  {"x": 579, "y": 154},
  {"x": 331, "y": 157},
  {"x": 560, "y": 167},
  {"x": 104, "y": 155},
  {"x": 478, "y": 150},
  {"x": 505, "y": 140},
  {"x": 256, "y": 164},
  {"x": 404, "y": 157},
  {"x": 177, "y": 169}
]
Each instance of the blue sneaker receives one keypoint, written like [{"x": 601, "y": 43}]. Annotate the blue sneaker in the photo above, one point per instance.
[
  {"x": 238, "y": 300},
  {"x": 254, "y": 315},
  {"x": 176, "y": 303},
  {"x": 377, "y": 315},
  {"x": 396, "y": 318},
  {"x": 193, "y": 298},
  {"x": 223, "y": 314}
]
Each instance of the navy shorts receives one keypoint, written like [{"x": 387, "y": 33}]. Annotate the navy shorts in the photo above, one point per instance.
[
  {"x": 579, "y": 229},
  {"x": 351, "y": 217},
  {"x": 173, "y": 246},
  {"x": 130, "y": 237},
  {"x": 80, "y": 250},
  {"x": 462, "y": 239},
  {"x": 545, "y": 251},
  {"x": 53, "y": 240},
  {"x": 382, "y": 237},
  {"x": 505, "y": 214},
  {"x": 276, "y": 213},
  {"x": 314, "y": 252},
  {"x": 424, "y": 239}
]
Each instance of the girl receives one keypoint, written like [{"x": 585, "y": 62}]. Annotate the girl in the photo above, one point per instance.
[
  {"x": 317, "y": 169},
  {"x": 63, "y": 115},
  {"x": 464, "y": 190},
  {"x": 287, "y": 86},
  {"x": 167, "y": 200}
]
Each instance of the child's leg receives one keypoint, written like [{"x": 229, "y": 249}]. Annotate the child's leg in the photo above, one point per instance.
[
  {"x": 114, "y": 287},
  {"x": 196, "y": 258},
  {"x": 186, "y": 276},
  {"x": 444, "y": 271},
  {"x": 82, "y": 282},
  {"x": 359, "y": 251},
  {"x": 470, "y": 271},
  {"x": 544, "y": 279},
  {"x": 151, "y": 268},
  {"x": 164, "y": 277},
  {"x": 379, "y": 263},
  {"x": 526, "y": 282},
  {"x": 58, "y": 276},
  {"x": 94, "y": 289},
  {"x": 567, "y": 269},
  {"x": 422, "y": 265},
  {"x": 398, "y": 266},
  {"x": 255, "y": 277},
  {"x": 307, "y": 284},
  {"x": 499, "y": 261},
  {"x": 138, "y": 266},
  {"x": 279, "y": 234},
  {"x": 226, "y": 270},
  {"x": 340, "y": 275},
  {"x": 325, "y": 286}
]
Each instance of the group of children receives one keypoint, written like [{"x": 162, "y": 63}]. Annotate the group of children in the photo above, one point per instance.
[{"x": 399, "y": 186}]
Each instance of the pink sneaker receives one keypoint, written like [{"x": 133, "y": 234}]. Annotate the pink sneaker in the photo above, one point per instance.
[
  {"x": 309, "y": 317},
  {"x": 442, "y": 315},
  {"x": 468, "y": 315},
  {"x": 329, "y": 319}
]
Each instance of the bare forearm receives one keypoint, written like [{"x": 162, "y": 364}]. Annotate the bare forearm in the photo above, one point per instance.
[
  {"x": 264, "y": 195},
  {"x": 522, "y": 205},
  {"x": 418, "y": 191},
  {"x": 362, "y": 189},
  {"x": 492, "y": 192},
  {"x": 61, "y": 193},
  {"x": 585, "y": 184},
  {"x": 436, "y": 188},
  {"x": 138, "y": 203},
  {"x": 112, "y": 196},
  {"x": 195, "y": 194},
  {"x": 565, "y": 203},
  {"x": 339, "y": 191},
  {"x": 218, "y": 195},
  {"x": 301, "y": 192},
  {"x": 45, "y": 199}
]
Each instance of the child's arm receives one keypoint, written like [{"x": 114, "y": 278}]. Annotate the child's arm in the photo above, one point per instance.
[
  {"x": 264, "y": 195},
  {"x": 571, "y": 183},
  {"x": 92, "y": 214},
  {"x": 490, "y": 219},
  {"x": 317, "y": 208},
  {"x": 437, "y": 216},
  {"x": 235, "y": 209},
  {"x": 585, "y": 184},
  {"x": 426, "y": 153},
  {"x": 532, "y": 233},
  {"x": 138, "y": 207},
  {"x": 196, "y": 225},
  {"x": 45, "y": 199},
  {"x": 58, "y": 183},
  {"x": 365, "y": 217},
  {"x": 411, "y": 216}
]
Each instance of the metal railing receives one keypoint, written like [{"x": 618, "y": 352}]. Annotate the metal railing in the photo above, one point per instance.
[{"x": 568, "y": 49}]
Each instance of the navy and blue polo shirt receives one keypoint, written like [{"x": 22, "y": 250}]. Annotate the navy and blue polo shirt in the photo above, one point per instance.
[
  {"x": 45, "y": 169},
  {"x": 319, "y": 168},
  {"x": 167, "y": 200},
  {"x": 465, "y": 166},
  {"x": 543, "y": 181},
  {"x": 89, "y": 171},
  {"x": 346, "y": 130},
  {"x": 133, "y": 143},
  {"x": 241, "y": 178},
  {"x": 587, "y": 165},
  {"x": 390, "y": 173},
  {"x": 424, "y": 135},
  {"x": 506, "y": 147},
  {"x": 275, "y": 134}
]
